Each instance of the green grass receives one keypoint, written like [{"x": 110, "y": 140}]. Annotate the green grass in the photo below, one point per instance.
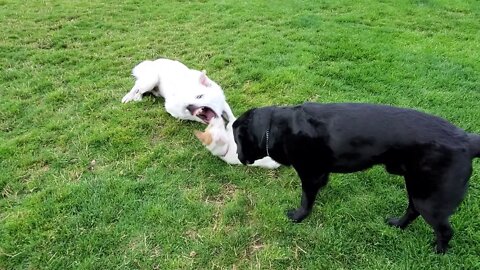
[{"x": 155, "y": 198}]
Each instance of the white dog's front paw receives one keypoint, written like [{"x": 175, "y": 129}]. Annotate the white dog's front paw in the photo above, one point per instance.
[
  {"x": 126, "y": 98},
  {"x": 137, "y": 97},
  {"x": 131, "y": 96}
]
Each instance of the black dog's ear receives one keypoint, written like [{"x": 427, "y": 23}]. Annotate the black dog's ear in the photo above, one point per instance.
[
  {"x": 243, "y": 119},
  {"x": 260, "y": 122},
  {"x": 241, "y": 126},
  {"x": 254, "y": 123}
]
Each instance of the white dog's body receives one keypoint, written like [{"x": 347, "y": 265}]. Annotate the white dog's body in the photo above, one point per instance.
[
  {"x": 190, "y": 95},
  {"x": 218, "y": 139},
  {"x": 181, "y": 87}
]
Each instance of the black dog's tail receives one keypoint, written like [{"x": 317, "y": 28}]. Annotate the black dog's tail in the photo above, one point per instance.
[{"x": 474, "y": 144}]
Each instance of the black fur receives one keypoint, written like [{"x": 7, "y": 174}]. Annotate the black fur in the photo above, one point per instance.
[{"x": 434, "y": 156}]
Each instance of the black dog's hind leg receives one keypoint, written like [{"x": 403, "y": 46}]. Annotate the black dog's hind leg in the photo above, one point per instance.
[
  {"x": 410, "y": 214},
  {"x": 311, "y": 184},
  {"x": 441, "y": 226},
  {"x": 444, "y": 199},
  {"x": 443, "y": 233}
]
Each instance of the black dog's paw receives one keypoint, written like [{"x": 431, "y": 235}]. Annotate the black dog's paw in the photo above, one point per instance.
[
  {"x": 398, "y": 222},
  {"x": 440, "y": 248},
  {"x": 395, "y": 222},
  {"x": 297, "y": 215}
]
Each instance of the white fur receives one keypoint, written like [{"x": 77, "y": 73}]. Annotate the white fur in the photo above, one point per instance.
[
  {"x": 179, "y": 86},
  {"x": 223, "y": 145}
]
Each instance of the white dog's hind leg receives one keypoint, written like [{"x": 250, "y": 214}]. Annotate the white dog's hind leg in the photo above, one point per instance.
[
  {"x": 146, "y": 80},
  {"x": 137, "y": 91},
  {"x": 266, "y": 162}
]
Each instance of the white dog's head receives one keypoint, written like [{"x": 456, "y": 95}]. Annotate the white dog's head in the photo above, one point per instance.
[
  {"x": 208, "y": 101},
  {"x": 218, "y": 139},
  {"x": 215, "y": 137}
]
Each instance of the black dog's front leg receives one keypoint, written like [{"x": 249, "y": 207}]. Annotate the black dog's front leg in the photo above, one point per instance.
[{"x": 311, "y": 184}]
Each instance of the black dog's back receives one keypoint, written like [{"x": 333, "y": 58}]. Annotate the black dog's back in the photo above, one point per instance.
[
  {"x": 361, "y": 135},
  {"x": 368, "y": 122}
]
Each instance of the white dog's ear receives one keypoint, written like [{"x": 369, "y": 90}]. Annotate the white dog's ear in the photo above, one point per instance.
[{"x": 204, "y": 79}]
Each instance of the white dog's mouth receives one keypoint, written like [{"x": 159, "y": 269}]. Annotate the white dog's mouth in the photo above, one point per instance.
[{"x": 205, "y": 113}]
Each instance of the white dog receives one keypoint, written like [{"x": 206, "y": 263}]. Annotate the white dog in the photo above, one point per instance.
[
  {"x": 219, "y": 141},
  {"x": 189, "y": 94}
]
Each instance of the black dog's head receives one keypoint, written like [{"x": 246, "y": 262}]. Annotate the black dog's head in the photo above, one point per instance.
[{"x": 249, "y": 134}]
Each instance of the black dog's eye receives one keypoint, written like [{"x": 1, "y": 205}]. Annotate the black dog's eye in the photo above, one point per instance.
[{"x": 199, "y": 96}]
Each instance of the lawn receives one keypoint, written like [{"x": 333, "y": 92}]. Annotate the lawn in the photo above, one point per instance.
[{"x": 89, "y": 183}]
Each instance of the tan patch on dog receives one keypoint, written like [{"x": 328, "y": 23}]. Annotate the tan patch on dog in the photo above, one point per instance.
[{"x": 204, "y": 137}]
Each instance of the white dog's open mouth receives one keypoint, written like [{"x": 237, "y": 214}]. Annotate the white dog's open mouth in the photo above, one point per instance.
[{"x": 205, "y": 113}]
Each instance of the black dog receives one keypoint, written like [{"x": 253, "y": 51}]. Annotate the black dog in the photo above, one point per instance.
[{"x": 434, "y": 156}]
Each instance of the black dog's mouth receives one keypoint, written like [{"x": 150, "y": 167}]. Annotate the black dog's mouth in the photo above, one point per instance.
[{"x": 205, "y": 113}]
